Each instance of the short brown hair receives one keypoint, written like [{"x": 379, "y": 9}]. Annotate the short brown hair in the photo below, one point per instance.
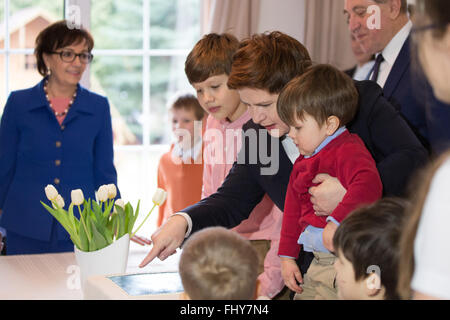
[
  {"x": 58, "y": 35},
  {"x": 322, "y": 91},
  {"x": 188, "y": 101},
  {"x": 268, "y": 61},
  {"x": 211, "y": 56},
  {"x": 218, "y": 264},
  {"x": 370, "y": 236}
]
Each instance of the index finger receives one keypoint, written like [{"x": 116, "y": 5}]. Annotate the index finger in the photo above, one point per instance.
[{"x": 154, "y": 252}]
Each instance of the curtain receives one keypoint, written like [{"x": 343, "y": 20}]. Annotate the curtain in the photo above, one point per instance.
[
  {"x": 238, "y": 17},
  {"x": 327, "y": 37}
]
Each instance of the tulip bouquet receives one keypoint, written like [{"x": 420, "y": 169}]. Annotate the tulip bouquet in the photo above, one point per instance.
[{"x": 101, "y": 222}]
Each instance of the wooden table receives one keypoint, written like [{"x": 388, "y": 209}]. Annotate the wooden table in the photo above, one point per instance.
[{"x": 54, "y": 276}]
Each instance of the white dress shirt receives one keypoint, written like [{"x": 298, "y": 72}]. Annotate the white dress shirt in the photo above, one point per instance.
[
  {"x": 292, "y": 152},
  {"x": 187, "y": 155},
  {"x": 361, "y": 72},
  {"x": 391, "y": 52}
]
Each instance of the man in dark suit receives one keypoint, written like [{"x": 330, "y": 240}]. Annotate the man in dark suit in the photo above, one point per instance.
[
  {"x": 394, "y": 71},
  {"x": 364, "y": 61},
  {"x": 393, "y": 145}
]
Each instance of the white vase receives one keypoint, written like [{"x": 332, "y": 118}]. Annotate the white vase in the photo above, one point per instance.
[{"x": 112, "y": 259}]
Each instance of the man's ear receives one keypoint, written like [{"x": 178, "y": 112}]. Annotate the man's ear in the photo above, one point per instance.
[
  {"x": 332, "y": 124},
  {"x": 373, "y": 285},
  {"x": 395, "y": 7}
]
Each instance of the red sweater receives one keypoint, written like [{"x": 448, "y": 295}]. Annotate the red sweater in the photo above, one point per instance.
[{"x": 345, "y": 158}]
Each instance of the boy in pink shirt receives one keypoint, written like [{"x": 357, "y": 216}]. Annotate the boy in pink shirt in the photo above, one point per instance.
[{"x": 207, "y": 68}]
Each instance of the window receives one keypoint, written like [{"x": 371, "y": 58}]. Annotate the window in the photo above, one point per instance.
[
  {"x": 22, "y": 20},
  {"x": 139, "y": 53}
]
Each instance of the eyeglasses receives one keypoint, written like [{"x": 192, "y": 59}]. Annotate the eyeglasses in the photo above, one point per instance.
[
  {"x": 419, "y": 29},
  {"x": 70, "y": 56}
]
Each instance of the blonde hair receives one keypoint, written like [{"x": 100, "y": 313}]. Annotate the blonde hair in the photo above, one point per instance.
[
  {"x": 218, "y": 264},
  {"x": 419, "y": 189}
]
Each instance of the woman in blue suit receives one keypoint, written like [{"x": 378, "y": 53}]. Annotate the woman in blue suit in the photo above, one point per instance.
[{"x": 56, "y": 132}]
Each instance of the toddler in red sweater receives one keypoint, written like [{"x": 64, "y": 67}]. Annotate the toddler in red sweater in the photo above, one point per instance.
[{"x": 317, "y": 105}]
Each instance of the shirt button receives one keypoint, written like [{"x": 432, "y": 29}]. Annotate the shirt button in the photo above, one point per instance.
[
  {"x": 58, "y": 144},
  {"x": 56, "y": 181},
  {"x": 63, "y": 127},
  {"x": 57, "y": 162}
]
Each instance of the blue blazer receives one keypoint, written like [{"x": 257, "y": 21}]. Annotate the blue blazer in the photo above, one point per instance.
[
  {"x": 411, "y": 93},
  {"x": 35, "y": 151},
  {"x": 395, "y": 148}
]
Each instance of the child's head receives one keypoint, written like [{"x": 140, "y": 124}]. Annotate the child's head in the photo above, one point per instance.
[
  {"x": 316, "y": 104},
  {"x": 262, "y": 66},
  {"x": 184, "y": 111},
  {"x": 367, "y": 249},
  {"x": 218, "y": 264},
  {"x": 207, "y": 68}
]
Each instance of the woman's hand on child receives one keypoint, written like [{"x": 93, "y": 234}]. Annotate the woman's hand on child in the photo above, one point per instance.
[
  {"x": 328, "y": 234},
  {"x": 327, "y": 195},
  {"x": 291, "y": 274}
]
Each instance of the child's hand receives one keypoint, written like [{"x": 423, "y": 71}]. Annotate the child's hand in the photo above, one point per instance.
[
  {"x": 328, "y": 234},
  {"x": 291, "y": 274},
  {"x": 141, "y": 240}
]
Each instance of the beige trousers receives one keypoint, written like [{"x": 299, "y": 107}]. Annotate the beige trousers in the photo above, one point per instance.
[{"x": 319, "y": 282}]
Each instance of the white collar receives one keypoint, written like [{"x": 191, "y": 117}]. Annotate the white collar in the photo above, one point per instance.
[
  {"x": 290, "y": 148},
  {"x": 186, "y": 155},
  {"x": 392, "y": 50}
]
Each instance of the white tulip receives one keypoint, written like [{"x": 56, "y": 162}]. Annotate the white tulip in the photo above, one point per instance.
[
  {"x": 120, "y": 203},
  {"x": 51, "y": 192},
  {"x": 102, "y": 193},
  {"x": 59, "y": 201},
  {"x": 77, "y": 197},
  {"x": 159, "y": 196},
  {"x": 112, "y": 191}
]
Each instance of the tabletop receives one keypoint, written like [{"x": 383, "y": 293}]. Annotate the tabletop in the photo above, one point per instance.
[{"x": 54, "y": 276}]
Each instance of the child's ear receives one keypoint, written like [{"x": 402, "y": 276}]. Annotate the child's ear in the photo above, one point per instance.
[
  {"x": 256, "y": 289},
  {"x": 373, "y": 285},
  {"x": 332, "y": 124}
]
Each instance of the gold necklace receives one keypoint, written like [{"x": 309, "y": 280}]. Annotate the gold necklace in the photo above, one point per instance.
[{"x": 59, "y": 114}]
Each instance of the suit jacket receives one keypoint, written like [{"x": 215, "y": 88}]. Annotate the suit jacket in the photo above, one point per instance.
[
  {"x": 394, "y": 147},
  {"x": 351, "y": 72},
  {"x": 410, "y": 92},
  {"x": 31, "y": 142}
]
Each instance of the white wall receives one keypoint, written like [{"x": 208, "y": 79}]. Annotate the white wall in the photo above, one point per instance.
[{"x": 287, "y": 16}]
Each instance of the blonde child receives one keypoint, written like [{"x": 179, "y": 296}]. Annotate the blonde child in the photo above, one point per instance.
[
  {"x": 218, "y": 264},
  {"x": 180, "y": 170},
  {"x": 207, "y": 67},
  {"x": 317, "y": 105}
]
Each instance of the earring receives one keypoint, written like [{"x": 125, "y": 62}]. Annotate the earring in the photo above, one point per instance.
[{"x": 49, "y": 72}]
